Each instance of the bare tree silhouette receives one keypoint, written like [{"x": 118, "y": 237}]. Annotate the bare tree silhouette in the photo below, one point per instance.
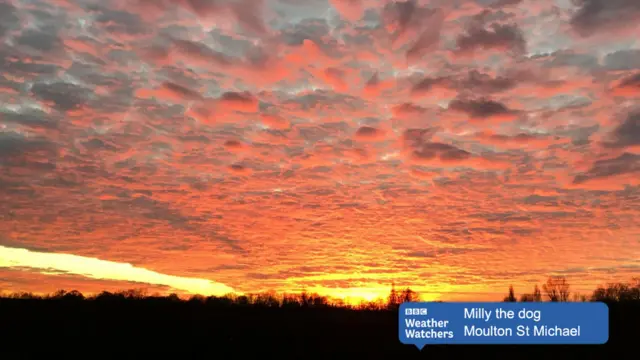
[
  {"x": 394, "y": 299},
  {"x": 618, "y": 292},
  {"x": 536, "y": 296},
  {"x": 556, "y": 288},
  {"x": 408, "y": 295},
  {"x": 398, "y": 297}
]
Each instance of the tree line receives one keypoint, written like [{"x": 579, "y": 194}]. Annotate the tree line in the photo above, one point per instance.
[
  {"x": 558, "y": 289},
  {"x": 555, "y": 289}
]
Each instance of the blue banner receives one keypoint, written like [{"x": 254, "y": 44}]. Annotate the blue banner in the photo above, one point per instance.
[{"x": 426, "y": 323}]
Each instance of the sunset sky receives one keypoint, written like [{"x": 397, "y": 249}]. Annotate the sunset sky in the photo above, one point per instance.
[{"x": 336, "y": 146}]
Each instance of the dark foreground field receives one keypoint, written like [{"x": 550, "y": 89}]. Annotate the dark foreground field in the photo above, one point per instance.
[{"x": 159, "y": 327}]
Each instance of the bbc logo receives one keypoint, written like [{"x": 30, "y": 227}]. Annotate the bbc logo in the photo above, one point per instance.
[{"x": 415, "y": 311}]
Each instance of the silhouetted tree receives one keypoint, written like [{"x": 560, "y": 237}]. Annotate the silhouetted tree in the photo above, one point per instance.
[
  {"x": 394, "y": 300},
  {"x": 512, "y": 295},
  {"x": 319, "y": 301},
  {"x": 73, "y": 295},
  {"x": 618, "y": 292},
  {"x": 266, "y": 300},
  {"x": 243, "y": 300},
  {"x": 224, "y": 301},
  {"x": 289, "y": 301},
  {"x": 579, "y": 297},
  {"x": 23, "y": 295},
  {"x": 199, "y": 299},
  {"x": 305, "y": 299},
  {"x": 408, "y": 295},
  {"x": 59, "y": 294},
  {"x": 537, "y": 295},
  {"x": 556, "y": 288},
  {"x": 135, "y": 293},
  {"x": 526, "y": 298}
]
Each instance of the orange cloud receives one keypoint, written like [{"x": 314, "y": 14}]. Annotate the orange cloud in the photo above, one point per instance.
[{"x": 257, "y": 142}]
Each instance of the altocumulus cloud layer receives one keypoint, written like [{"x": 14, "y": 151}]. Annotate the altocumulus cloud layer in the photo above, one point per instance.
[{"x": 335, "y": 146}]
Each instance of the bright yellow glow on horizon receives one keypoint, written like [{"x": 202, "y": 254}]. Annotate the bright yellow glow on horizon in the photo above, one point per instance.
[
  {"x": 357, "y": 295},
  {"x": 106, "y": 270}
]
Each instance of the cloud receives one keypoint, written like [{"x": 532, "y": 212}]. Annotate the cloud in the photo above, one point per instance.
[
  {"x": 481, "y": 109},
  {"x": 623, "y": 60},
  {"x": 593, "y": 16},
  {"x": 368, "y": 133},
  {"x": 495, "y": 36},
  {"x": 8, "y": 19},
  {"x": 504, "y": 3},
  {"x": 625, "y": 164},
  {"x": 351, "y": 10},
  {"x": 484, "y": 83},
  {"x": 224, "y": 139},
  {"x": 105, "y": 270},
  {"x": 627, "y": 134},
  {"x": 628, "y": 86},
  {"x": 13, "y": 144},
  {"x": 62, "y": 96}
]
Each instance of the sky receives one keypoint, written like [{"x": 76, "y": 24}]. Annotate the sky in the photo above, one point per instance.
[{"x": 332, "y": 146}]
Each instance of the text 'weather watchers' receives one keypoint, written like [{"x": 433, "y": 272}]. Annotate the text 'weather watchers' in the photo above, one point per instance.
[{"x": 422, "y": 324}]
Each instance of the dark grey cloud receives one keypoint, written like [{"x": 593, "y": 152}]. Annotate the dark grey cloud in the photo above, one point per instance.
[
  {"x": 502, "y": 3},
  {"x": 367, "y": 131},
  {"x": 444, "y": 152},
  {"x": 182, "y": 91},
  {"x": 623, "y": 60},
  {"x": 632, "y": 81},
  {"x": 409, "y": 15},
  {"x": 120, "y": 22},
  {"x": 578, "y": 134},
  {"x": 64, "y": 96},
  {"x": 15, "y": 64},
  {"x": 9, "y": 84},
  {"x": 409, "y": 108},
  {"x": 94, "y": 74},
  {"x": 539, "y": 199},
  {"x": 8, "y": 18},
  {"x": 483, "y": 83},
  {"x": 406, "y": 15},
  {"x": 324, "y": 99},
  {"x": 600, "y": 15},
  {"x": 480, "y": 108},
  {"x": 30, "y": 117},
  {"x": 121, "y": 87},
  {"x": 307, "y": 29},
  {"x": 313, "y": 133},
  {"x": 627, "y": 133},
  {"x": 626, "y": 163},
  {"x": 495, "y": 36},
  {"x": 571, "y": 58},
  {"x": 13, "y": 144},
  {"x": 417, "y": 137},
  {"x": 97, "y": 145},
  {"x": 244, "y": 97},
  {"x": 427, "y": 84},
  {"x": 43, "y": 40},
  {"x": 200, "y": 52}
]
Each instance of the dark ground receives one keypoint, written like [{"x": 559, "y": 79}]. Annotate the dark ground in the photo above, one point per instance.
[{"x": 91, "y": 329}]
